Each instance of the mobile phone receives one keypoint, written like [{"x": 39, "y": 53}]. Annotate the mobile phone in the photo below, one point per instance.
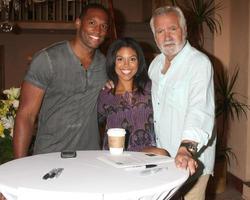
[{"x": 68, "y": 154}]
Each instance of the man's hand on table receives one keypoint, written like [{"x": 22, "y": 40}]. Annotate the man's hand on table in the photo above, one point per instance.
[{"x": 185, "y": 160}]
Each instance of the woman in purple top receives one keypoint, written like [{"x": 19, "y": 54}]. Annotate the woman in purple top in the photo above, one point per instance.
[{"x": 128, "y": 105}]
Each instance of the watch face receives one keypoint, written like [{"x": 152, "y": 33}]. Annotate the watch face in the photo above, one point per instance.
[{"x": 192, "y": 148}]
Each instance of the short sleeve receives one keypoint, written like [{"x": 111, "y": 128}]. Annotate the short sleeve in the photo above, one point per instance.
[{"x": 40, "y": 70}]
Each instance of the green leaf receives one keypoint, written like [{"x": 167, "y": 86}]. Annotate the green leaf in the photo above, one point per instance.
[
  {"x": 6, "y": 152},
  {"x": 227, "y": 107}
]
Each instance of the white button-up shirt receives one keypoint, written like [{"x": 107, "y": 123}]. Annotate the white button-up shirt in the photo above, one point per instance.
[{"x": 183, "y": 103}]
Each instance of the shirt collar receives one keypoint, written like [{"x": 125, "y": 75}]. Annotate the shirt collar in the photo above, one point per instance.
[{"x": 182, "y": 53}]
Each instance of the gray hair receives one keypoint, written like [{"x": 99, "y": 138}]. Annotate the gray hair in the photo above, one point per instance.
[{"x": 164, "y": 11}]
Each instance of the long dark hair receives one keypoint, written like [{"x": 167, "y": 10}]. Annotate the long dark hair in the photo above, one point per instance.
[{"x": 141, "y": 77}]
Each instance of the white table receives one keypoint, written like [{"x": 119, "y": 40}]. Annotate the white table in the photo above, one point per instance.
[{"x": 86, "y": 177}]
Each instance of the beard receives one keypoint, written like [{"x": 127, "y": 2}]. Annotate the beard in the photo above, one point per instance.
[{"x": 170, "y": 48}]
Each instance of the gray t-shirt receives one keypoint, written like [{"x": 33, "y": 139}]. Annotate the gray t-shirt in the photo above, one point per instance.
[{"x": 68, "y": 114}]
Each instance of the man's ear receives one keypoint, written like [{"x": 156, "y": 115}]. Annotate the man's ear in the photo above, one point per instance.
[{"x": 77, "y": 23}]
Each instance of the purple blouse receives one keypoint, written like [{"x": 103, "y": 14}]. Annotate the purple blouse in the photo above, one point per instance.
[{"x": 131, "y": 111}]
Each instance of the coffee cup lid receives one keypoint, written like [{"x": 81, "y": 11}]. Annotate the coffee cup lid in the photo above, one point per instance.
[{"x": 116, "y": 132}]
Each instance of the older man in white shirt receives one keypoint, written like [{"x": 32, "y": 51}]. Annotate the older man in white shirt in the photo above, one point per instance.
[{"x": 183, "y": 97}]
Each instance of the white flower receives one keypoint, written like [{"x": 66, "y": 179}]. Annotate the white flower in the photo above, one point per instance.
[
  {"x": 12, "y": 93},
  {"x": 8, "y": 109},
  {"x": 8, "y": 123},
  {"x": 15, "y": 103}
]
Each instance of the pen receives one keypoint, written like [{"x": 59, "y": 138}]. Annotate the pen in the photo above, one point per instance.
[
  {"x": 53, "y": 173},
  {"x": 151, "y": 165},
  {"x": 50, "y": 174},
  {"x": 138, "y": 167}
]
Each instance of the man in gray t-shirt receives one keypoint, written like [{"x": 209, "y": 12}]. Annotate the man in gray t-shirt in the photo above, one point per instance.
[{"x": 61, "y": 88}]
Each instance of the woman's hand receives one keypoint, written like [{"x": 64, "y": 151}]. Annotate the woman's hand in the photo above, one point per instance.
[{"x": 109, "y": 84}]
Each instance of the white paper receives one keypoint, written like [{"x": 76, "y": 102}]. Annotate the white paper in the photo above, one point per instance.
[{"x": 131, "y": 160}]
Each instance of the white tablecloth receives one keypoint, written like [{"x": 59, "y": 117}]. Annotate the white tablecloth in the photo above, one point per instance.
[{"x": 86, "y": 177}]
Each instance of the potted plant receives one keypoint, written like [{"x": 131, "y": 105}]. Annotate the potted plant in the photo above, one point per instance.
[
  {"x": 228, "y": 107},
  {"x": 199, "y": 13}
]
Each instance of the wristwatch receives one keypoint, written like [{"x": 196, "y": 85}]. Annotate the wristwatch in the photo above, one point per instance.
[{"x": 191, "y": 147}]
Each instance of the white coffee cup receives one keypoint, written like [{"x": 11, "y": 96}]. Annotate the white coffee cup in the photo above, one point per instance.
[{"x": 116, "y": 140}]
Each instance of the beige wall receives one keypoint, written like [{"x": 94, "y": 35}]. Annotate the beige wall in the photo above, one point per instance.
[
  {"x": 133, "y": 10},
  {"x": 239, "y": 55},
  {"x": 232, "y": 49},
  {"x": 246, "y": 189},
  {"x": 221, "y": 42},
  {"x": 248, "y": 92}
]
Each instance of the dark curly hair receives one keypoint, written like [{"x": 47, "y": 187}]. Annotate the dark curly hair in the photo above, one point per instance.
[{"x": 141, "y": 77}]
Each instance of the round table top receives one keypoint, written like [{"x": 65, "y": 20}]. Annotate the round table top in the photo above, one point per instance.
[{"x": 86, "y": 176}]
